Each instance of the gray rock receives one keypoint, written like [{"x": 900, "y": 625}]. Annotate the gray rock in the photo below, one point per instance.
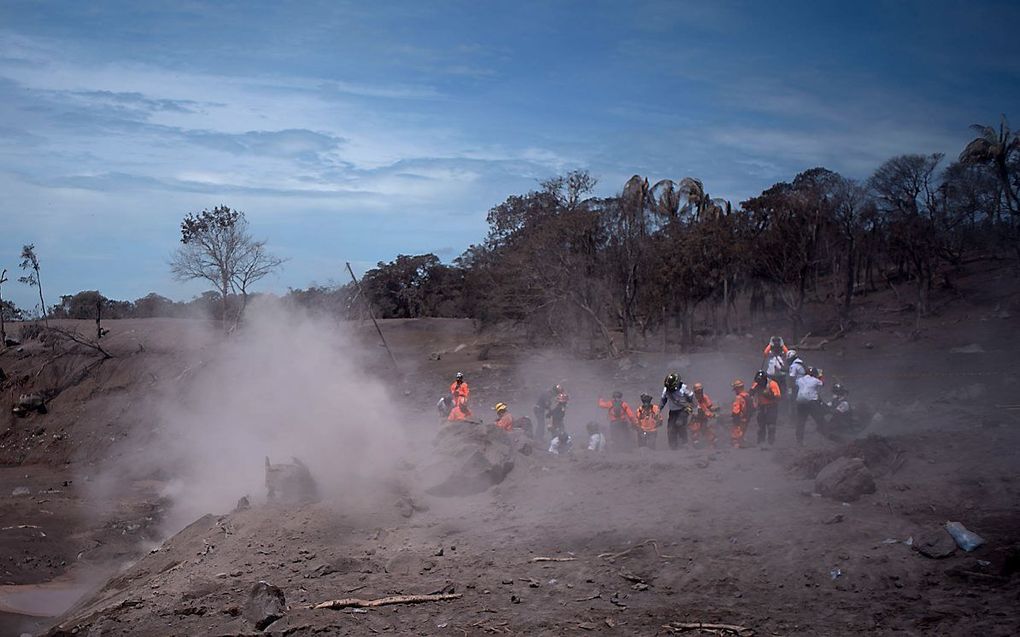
[
  {"x": 936, "y": 544},
  {"x": 266, "y": 603},
  {"x": 845, "y": 479},
  {"x": 290, "y": 482}
]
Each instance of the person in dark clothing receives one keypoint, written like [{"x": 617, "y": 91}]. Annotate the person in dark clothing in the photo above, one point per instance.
[{"x": 681, "y": 402}]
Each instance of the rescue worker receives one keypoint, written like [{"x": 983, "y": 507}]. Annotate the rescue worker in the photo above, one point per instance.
[
  {"x": 795, "y": 369},
  {"x": 775, "y": 365},
  {"x": 596, "y": 439},
  {"x": 841, "y": 416},
  {"x": 766, "y": 394},
  {"x": 649, "y": 419},
  {"x": 680, "y": 400},
  {"x": 809, "y": 403},
  {"x": 558, "y": 411},
  {"x": 776, "y": 347},
  {"x": 503, "y": 418},
  {"x": 621, "y": 420},
  {"x": 543, "y": 410},
  {"x": 459, "y": 411},
  {"x": 459, "y": 393},
  {"x": 561, "y": 443},
  {"x": 704, "y": 412},
  {"x": 740, "y": 414}
]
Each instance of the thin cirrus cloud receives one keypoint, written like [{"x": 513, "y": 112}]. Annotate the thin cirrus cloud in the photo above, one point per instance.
[{"x": 351, "y": 132}]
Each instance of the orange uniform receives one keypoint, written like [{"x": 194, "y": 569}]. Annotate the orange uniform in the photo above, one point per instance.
[
  {"x": 505, "y": 422},
  {"x": 649, "y": 419},
  {"x": 741, "y": 413},
  {"x": 619, "y": 413},
  {"x": 459, "y": 391},
  {"x": 701, "y": 419},
  {"x": 459, "y": 394},
  {"x": 770, "y": 396}
]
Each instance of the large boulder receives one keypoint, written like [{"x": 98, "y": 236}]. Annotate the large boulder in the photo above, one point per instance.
[
  {"x": 472, "y": 458},
  {"x": 845, "y": 479},
  {"x": 291, "y": 483},
  {"x": 265, "y": 604}
]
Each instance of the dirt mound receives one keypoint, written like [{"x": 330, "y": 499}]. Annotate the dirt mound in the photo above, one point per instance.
[
  {"x": 472, "y": 458},
  {"x": 878, "y": 454}
]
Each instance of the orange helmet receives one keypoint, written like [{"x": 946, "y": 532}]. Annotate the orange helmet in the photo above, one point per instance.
[{"x": 737, "y": 384}]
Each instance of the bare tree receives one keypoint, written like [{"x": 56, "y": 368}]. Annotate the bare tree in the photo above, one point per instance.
[
  {"x": 216, "y": 246},
  {"x": 3, "y": 326},
  {"x": 30, "y": 263}
]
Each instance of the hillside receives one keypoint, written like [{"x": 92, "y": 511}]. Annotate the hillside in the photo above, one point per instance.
[{"x": 172, "y": 431}]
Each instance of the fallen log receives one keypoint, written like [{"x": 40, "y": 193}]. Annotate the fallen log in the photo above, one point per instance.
[
  {"x": 354, "y": 602},
  {"x": 553, "y": 559},
  {"x": 654, "y": 543},
  {"x": 740, "y": 631}
]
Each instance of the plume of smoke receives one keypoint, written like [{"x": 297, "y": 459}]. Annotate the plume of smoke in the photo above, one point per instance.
[{"x": 286, "y": 385}]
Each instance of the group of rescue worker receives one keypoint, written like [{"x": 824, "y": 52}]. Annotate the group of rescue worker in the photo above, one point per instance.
[{"x": 690, "y": 412}]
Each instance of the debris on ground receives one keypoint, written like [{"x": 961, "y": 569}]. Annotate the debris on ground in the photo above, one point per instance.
[
  {"x": 354, "y": 602},
  {"x": 965, "y": 538},
  {"x": 718, "y": 629},
  {"x": 937, "y": 544}
]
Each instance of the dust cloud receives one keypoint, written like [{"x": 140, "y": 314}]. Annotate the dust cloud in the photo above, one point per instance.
[{"x": 287, "y": 385}]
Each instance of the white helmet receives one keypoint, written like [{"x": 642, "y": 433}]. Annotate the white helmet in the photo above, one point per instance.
[{"x": 792, "y": 354}]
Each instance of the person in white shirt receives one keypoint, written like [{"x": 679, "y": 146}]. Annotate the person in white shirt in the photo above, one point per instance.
[
  {"x": 596, "y": 439},
  {"x": 809, "y": 403},
  {"x": 561, "y": 444}
]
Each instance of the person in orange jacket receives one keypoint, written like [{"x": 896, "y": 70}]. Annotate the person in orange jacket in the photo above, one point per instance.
[
  {"x": 649, "y": 419},
  {"x": 621, "y": 421},
  {"x": 701, "y": 419},
  {"x": 459, "y": 393},
  {"x": 503, "y": 418},
  {"x": 766, "y": 395},
  {"x": 740, "y": 413},
  {"x": 459, "y": 389}
]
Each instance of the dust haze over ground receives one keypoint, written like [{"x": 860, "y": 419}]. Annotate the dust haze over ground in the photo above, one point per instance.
[
  {"x": 740, "y": 536},
  {"x": 288, "y": 385}
]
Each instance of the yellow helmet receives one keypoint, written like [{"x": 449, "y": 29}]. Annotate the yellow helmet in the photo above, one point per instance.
[{"x": 500, "y": 407}]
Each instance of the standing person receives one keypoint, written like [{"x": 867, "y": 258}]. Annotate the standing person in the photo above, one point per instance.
[
  {"x": 795, "y": 369},
  {"x": 809, "y": 403},
  {"x": 543, "y": 410},
  {"x": 766, "y": 395},
  {"x": 503, "y": 418},
  {"x": 649, "y": 419},
  {"x": 776, "y": 347},
  {"x": 621, "y": 420},
  {"x": 701, "y": 420},
  {"x": 740, "y": 413},
  {"x": 558, "y": 411},
  {"x": 680, "y": 400},
  {"x": 842, "y": 415},
  {"x": 459, "y": 393}
]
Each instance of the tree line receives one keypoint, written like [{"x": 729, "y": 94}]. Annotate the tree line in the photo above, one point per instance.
[
  {"x": 608, "y": 273},
  {"x": 579, "y": 269}
]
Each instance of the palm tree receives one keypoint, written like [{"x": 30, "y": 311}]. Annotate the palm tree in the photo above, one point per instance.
[{"x": 995, "y": 149}]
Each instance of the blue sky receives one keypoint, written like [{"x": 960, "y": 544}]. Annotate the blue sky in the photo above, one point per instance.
[{"x": 357, "y": 131}]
